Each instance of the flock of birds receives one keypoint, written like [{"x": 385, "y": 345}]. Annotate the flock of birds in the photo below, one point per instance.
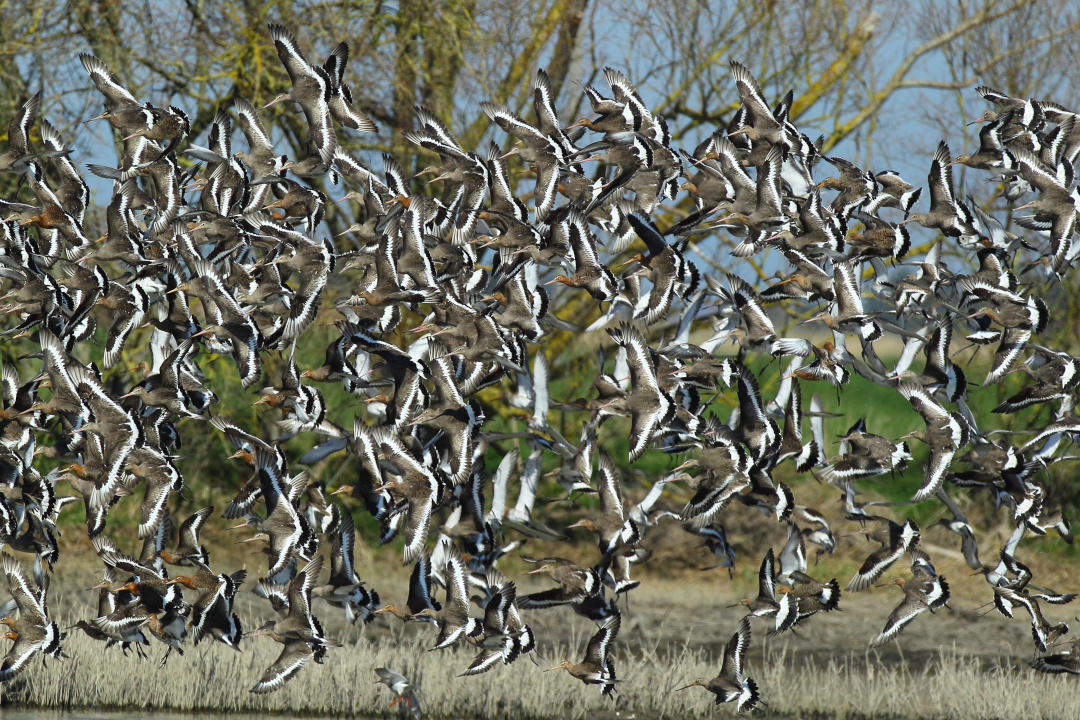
[{"x": 250, "y": 250}]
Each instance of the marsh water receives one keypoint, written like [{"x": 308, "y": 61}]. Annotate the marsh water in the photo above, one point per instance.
[{"x": 28, "y": 714}]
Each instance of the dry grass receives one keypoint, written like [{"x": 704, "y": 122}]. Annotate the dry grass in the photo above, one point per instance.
[
  {"x": 950, "y": 686},
  {"x": 216, "y": 679}
]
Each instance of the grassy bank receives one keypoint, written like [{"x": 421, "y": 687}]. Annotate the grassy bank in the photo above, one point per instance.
[{"x": 949, "y": 686}]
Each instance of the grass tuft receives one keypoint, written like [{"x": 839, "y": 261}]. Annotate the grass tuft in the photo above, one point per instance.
[{"x": 949, "y": 686}]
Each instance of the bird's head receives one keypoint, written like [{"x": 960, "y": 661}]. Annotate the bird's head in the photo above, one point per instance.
[
  {"x": 276, "y": 100},
  {"x": 74, "y": 468},
  {"x": 137, "y": 391},
  {"x": 265, "y": 629},
  {"x": 586, "y": 523},
  {"x": 821, "y": 316},
  {"x": 138, "y": 133},
  {"x": 691, "y": 463},
  {"x": 914, "y": 435},
  {"x": 747, "y": 130},
  {"x": 244, "y": 455}
]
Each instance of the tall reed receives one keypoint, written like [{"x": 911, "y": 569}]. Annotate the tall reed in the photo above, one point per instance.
[{"x": 215, "y": 678}]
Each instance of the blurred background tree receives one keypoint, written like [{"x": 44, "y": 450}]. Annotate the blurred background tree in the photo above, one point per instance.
[{"x": 862, "y": 69}]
